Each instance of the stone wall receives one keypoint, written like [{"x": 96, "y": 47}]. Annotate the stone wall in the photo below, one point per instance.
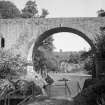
[{"x": 20, "y": 34}]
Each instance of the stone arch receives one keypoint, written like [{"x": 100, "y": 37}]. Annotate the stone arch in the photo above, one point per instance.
[
  {"x": 48, "y": 33},
  {"x": 63, "y": 29}
]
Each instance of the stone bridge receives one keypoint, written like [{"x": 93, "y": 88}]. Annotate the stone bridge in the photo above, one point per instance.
[{"x": 18, "y": 35}]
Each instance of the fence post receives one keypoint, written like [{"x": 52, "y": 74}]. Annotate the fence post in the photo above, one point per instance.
[{"x": 78, "y": 87}]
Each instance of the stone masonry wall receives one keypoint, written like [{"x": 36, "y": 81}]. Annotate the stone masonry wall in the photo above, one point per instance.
[{"x": 20, "y": 34}]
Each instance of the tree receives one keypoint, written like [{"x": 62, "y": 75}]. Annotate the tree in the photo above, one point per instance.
[
  {"x": 100, "y": 39},
  {"x": 44, "y": 13},
  {"x": 44, "y": 60},
  {"x": 51, "y": 61},
  {"x": 101, "y": 13},
  {"x": 11, "y": 65},
  {"x": 85, "y": 54},
  {"x": 89, "y": 64},
  {"x": 73, "y": 59},
  {"x": 30, "y": 10},
  {"x": 39, "y": 61},
  {"x": 47, "y": 43},
  {"x": 8, "y": 10}
]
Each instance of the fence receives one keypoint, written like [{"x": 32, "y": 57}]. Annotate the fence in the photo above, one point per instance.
[{"x": 64, "y": 88}]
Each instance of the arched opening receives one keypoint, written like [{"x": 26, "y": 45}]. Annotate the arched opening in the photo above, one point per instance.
[{"x": 63, "y": 29}]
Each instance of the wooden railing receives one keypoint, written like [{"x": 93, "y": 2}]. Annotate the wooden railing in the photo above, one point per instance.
[{"x": 66, "y": 90}]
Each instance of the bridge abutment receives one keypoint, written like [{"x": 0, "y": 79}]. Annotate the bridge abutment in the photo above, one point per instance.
[{"x": 100, "y": 65}]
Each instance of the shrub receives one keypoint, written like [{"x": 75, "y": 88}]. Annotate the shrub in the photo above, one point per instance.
[
  {"x": 5, "y": 83},
  {"x": 100, "y": 39},
  {"x": 25, "y": 88},
  {"x": 91, "y": 94},
  {"x": 11, "y": 65}
]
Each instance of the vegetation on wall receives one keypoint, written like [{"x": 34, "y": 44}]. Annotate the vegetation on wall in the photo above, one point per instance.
[
  {"x": 89, "y": 62},
  {"x": 11, "y": 65},
  {"x": 101, "y": 42}
]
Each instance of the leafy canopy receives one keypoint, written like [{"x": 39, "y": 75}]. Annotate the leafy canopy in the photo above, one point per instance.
[{"x": 8, "y": 10}]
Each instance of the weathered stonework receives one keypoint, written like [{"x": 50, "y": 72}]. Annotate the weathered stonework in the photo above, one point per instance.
[{"x": 20, "y": 34}]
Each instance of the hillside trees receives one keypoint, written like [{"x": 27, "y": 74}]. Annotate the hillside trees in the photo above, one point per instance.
[
  {"x": 8, "y": 10},
  {"x": 74, "y": 58}
]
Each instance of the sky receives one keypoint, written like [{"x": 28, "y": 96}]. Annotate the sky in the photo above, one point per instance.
[
  {"x": 68, "y": 8},
  {"x": 70, "y": 42}
]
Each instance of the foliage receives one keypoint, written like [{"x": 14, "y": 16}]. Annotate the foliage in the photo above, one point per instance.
[
  {"x": 39, "y": 61},
  {"x": 101, "y": 13},
  {"x": 89, "y": 64},
  {"x": 70, "y": 57},
  {"x": 8, "y": 10},
  {"x": 47, "y": 44},
  {"x": 11, "y": 65},
  {"x": 44, "y": 13},
  {"x": 89, "y": 95},
  {"x": 101, "y": 43},
  {"x": 52, "y": 63},
  {"x": 85, "y": 54},
  {"x": 25, "y": 88},
  {"x": 42, "y": 62},
  {"x": 87, "y": 59},
  {"x": 73, "y": 59},
  {"x": 45, "y": 60},
  {"x": 83, "y": 58},
  {"x": 30, "y": 10},
  {"x": 4, "y": 83}
]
